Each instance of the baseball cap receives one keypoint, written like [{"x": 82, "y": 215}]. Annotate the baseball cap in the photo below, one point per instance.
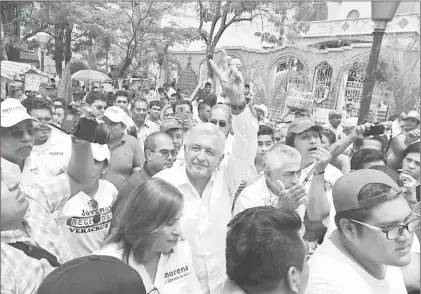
[
  {"x": 100, "y": 152},
  {"x": 413, "y": 114},
  {"x": 170, "y": 124},
  {"x": 44, "y": 85},
  {"x": 350, "y": 122},
  {"x": 302, "y": 124},
  {"x": 346, "y": 189},
  {"x": 116, "y": 114},
  {"x": 94, "y": 274},
  {"x": 13, "y": 112}
]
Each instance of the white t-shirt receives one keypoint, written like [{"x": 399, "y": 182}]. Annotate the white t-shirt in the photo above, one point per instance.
[
  {"x": 331, "y": 272},
  {"x": 77, "y": 220},
  {"x": 47, "y": 160},
  {"x": 174, "y": 274}
]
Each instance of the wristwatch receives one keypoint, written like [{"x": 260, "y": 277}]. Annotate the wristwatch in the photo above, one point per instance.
[{"x": 239, "y": 107}]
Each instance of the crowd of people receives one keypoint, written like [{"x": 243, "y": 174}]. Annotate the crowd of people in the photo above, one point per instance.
[{"x": 206, "y": 196}]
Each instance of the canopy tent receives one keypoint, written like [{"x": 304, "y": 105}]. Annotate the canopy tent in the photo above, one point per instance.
[
  {"x": 89, "y": 75},
  {"x": 13, "y": 71}
]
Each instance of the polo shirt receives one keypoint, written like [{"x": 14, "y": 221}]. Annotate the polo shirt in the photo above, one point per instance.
[
  {"x": 125, "y": 155},
  {"x": 205, "y": 217},
  {"x": 127, "y": 188},
  {"x": 174, "y": 274},
  {"x": 47, "y": 160}
]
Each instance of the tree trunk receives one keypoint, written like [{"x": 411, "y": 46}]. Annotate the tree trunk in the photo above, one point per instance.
[
  {"x": 58, "y": 49},
  {"x": 282, "y": 28},
  {"x": 209, "y": 55},
  {"x": 10, "y": 12},
  {"x": 165, "y": 63},
  {"x": 68, "y": 48},
  {"x": 125, "y": 64}
]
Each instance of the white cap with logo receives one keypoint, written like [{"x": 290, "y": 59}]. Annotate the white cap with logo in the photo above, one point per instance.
[
  {"x": 116, "y": 114},
  {"x": 13, "y": 112}
]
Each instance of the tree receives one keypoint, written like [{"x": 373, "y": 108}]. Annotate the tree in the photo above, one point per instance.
[{"x": 220, "y": 16}]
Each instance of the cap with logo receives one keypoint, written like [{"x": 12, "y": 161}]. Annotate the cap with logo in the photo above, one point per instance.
[
  {"x": 346, "y": 189},
  {"x": 170, "y": 124},
  {"x": 413, "y": 114},
  {"x": 116, "y": 114},
  {"x": 94, "y": 274},
  {"x": 302, "y": 124},
  {"x": 100, "y": 152},
  {"x": 13, "y": 112}
]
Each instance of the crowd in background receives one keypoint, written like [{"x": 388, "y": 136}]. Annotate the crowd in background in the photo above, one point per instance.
[{"x": 205, "y": 196}]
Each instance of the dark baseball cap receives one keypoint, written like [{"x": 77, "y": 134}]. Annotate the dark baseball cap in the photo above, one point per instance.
[
  {"x": 302, "y": 124},
  {"x": 94, "y": 274},
  {"x": 346, "y": 189},
  {"x": 170, "y": 124}
]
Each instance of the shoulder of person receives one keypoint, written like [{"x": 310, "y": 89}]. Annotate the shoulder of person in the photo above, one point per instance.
[
  {"x": 333, "y": 173},
  {"x": 108, "y": 186}
]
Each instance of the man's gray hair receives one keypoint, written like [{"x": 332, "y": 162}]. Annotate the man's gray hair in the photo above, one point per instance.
[
  {"x": 278, "y": 154},
  {"x": 224, "y": 108},
  {"x": 210, "y": 130}
]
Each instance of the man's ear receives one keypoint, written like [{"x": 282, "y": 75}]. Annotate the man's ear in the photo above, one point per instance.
[
  {"x": 293, "y": 279},
  {"x": 349, "y": 229},
  {"x": 148, "y": 155}
]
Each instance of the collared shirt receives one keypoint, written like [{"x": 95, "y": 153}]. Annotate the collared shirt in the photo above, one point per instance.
[
  {"x": 21, "y": 273},
  {"x": 174, "y": 274},
  {"x": 127, "y": 188},
  {"x": 125, "y": 155},
  {"x": 148, "y": 128},
  {"x": 205, "y": 217},
  {"x": 47, "y": 160}
]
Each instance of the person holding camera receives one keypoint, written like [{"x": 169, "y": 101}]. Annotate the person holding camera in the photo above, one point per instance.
[
  {"x": 127, "y": 155},
  {"x": 32, "y": 242}
]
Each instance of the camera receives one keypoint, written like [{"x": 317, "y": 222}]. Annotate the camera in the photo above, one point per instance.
[
  {"x": 85, "y": 128},
  {"x": 375, "y": 130}
]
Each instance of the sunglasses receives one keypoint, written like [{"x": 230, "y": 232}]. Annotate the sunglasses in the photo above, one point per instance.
[
  {"x": 20, "y": 133},
  {"x": 221, "y": 123},
  {"x": 168, "y": 152},
  {"x": 94, "y": 204}
]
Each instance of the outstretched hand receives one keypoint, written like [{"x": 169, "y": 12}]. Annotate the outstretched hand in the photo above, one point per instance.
[{"x": 231, "y": 79}]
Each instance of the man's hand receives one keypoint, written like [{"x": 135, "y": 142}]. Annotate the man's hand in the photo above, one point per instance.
[
  {"x": 231, "y": 79},
  {"x": 412, "y": 136},
  {"x": 293, "y": 197},
  {"x": 358, "y": 132},
  {"x": 409, "y": 184},
  {"x": 323, "y": 157}
]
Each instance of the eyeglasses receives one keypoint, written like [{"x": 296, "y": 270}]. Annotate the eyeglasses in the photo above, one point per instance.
[
  {"x": 154, "y": 291},
  {"x": 165, "y": 152},
  {"x": 19, "y": 133},
  {"x": 94, "y": 204},
  {"x": 221, "y": 123},
  {"x": 395, "y": 232}
]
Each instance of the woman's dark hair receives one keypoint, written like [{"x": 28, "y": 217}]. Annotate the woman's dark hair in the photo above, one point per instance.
[{"x": 149, "y": 208}]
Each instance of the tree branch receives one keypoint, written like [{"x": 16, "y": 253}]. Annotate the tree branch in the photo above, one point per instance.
[
  {"x": 215, "y": 20},
  {"x": 201, "y": 17}
]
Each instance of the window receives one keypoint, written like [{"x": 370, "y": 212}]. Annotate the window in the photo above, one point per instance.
[
  {"x": 322, "y": 82},
  {"x": 353, "y": 14}
]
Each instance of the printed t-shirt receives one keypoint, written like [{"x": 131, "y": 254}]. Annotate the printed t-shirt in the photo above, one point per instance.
[
  {"x": 174, "y": 274},
  {"x": 47, "y": 160},
  {"x": 77, "y": 220},
  {"x": 332, "y": 272}
]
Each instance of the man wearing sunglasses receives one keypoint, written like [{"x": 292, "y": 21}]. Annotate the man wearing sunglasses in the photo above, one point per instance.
[
  {"x": 221, "y": 116},
  {"x": 373, "y": 240}
]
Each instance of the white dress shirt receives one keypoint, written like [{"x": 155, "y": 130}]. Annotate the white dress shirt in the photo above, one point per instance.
[{"x": 205, "y": 218}]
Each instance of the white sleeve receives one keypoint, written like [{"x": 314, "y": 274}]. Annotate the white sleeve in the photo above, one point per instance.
[
  {"x": 243, "y": 202},
  {"x": 192, "y": 281},
  {"x": 244, "y": 148}
]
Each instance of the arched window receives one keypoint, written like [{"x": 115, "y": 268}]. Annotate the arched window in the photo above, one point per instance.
[
  {"x": 353, "y": 14},
  {"x": 322, "y": 82},
  {"x": 354, "y": 83}
]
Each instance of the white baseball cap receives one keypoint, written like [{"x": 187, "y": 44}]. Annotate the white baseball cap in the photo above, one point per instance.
[
  {"x": 116, "y": 114},
  {"x": 13, "y": 112},
  {"x": 100, "y": 152},
  {"x": 263, "y": 108},
  {"x": 413, "y": 114}
]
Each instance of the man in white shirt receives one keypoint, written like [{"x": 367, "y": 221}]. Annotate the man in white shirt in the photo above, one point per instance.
[
  {"x": 373, "y": 239},
  {"x": 208, "y": 183},
  {"x": 334, "y": 124},
  {"x": 144, "y": 127},
  {"x": 222, "y": 117},
  {"x": 52, "y": 149},
  {"x": 43, "y": 91},
  {"x": 86, "y": 218}
]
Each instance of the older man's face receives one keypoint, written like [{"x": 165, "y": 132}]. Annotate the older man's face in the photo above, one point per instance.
[
  {"x": 220, "y": 118},
  {"x": 17, "y": 141},
  {"x": 285, "y": 171},
  {"x": 203, "y": 153}
]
